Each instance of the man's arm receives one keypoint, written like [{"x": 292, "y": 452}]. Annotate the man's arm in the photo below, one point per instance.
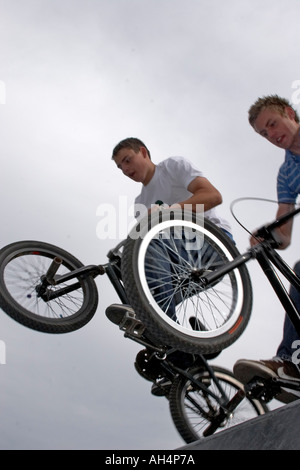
[
  {"x": 284, "y": 232},
  {"x": 203, "y": 192}
]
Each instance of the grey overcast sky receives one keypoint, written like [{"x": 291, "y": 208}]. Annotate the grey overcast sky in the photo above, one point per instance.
[{"x": 76, "y": 77}]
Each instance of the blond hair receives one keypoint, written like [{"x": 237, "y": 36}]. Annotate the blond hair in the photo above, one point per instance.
[{"x": 271, "y": 101}]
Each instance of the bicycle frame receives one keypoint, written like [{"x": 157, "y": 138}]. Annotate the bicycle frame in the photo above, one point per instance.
[
  {"x": 267, "y": 258},
  {"x": 110, "y": 268},
  {"x": 132, "y": 330}
]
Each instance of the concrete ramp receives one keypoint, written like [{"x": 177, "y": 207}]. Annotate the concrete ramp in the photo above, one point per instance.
[{"x": 276, "y": 430}]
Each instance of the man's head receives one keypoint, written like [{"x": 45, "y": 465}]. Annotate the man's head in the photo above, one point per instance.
[
  {"x": 133, "y": 158},
  {"x": 275, "y": 119},
  {"x": 273, "y": 102},
  {"x": 129, "y": 143}
]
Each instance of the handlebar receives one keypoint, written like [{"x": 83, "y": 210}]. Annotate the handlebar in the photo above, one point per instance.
[{"x": 281, "y": 220}]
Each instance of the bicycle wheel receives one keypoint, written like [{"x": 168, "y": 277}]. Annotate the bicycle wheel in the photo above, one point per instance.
[
  {"x": 22, "y": 266},
  {"x": 193, "y": 409},
  {"x": 163, "y": 260}
]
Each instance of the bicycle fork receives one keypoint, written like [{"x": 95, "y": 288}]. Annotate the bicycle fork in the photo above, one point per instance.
[{"x": 52, "y": 279}]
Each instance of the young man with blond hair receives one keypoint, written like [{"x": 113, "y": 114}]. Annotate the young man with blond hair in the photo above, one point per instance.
[{"x": 276, "y": 120}]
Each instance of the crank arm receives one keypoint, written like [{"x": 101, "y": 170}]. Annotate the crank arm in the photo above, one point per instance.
[{"x": 224, "y": 412}]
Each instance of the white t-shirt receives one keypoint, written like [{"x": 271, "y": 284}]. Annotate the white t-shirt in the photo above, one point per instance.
[{"x": 169, "y": 185}]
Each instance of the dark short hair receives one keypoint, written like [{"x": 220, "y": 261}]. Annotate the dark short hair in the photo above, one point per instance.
[
  {"x": 130, "y": 142},
  {"x": 271, "y": 101}
]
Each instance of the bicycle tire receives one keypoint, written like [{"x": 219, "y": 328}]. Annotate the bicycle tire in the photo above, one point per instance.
[
  {"x": 184, "y": 399},
  {"x": 219, "y": 312},
  {"x": 22, "y": 264}
]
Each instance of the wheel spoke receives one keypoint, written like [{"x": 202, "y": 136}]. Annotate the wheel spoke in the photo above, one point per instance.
[
  {"x": 193, "y": 409},
  {"x": 169, "y": 270},
  {"x": 21, "y": 277}
]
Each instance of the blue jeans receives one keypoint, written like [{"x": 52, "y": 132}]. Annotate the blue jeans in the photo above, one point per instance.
[{"x": 285, "y": 349}]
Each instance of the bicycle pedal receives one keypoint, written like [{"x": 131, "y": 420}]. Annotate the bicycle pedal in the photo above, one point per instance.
[
  {"x": 131, "y": 325},
  {"x": 262, "y": 389}
]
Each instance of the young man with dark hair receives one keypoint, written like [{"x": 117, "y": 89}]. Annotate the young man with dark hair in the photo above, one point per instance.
[{"x": 175, "y": 182}]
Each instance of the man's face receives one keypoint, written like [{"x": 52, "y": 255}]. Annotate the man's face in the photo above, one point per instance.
[
  {"x": 132, "y": 164},
  {"x": 278, "y": 129}
]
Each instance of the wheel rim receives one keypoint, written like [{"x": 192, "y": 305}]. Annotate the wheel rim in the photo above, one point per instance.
[
  {"x": 217, "y": 309},
  {"x": 22, "y": 273},
  {"x": 190, "y": 398}
]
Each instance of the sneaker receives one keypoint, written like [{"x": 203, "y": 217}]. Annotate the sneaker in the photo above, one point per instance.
[
  {"x": 245, "y": 370},
  {"x": 161, "y": 388},
  {"x": 116, "y": 312}
]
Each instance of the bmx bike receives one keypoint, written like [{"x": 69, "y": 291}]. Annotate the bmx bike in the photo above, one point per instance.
[
  {"x": 207, "y": 286},
  {"x": 47, "y": 289},
  {"x": 161, "y": 270}
]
